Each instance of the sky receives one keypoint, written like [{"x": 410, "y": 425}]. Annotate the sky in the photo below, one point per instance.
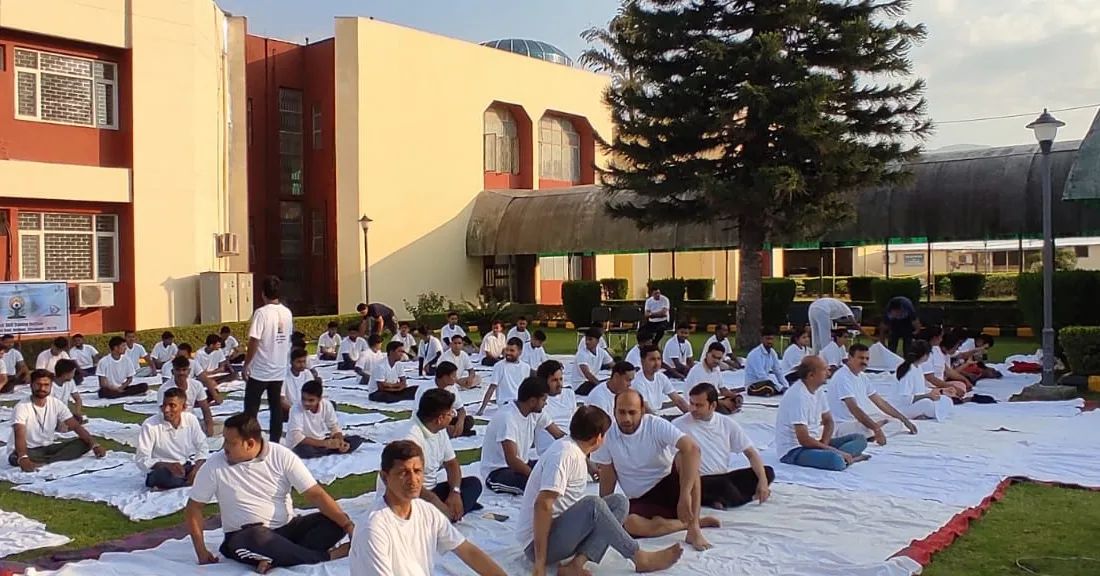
[{"x": 982, "y": 58}]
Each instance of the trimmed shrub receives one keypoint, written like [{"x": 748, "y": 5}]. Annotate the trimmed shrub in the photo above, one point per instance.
[
  {"x": 777, "y": 295},
  {"x": 1074, "y": 298},
  {"x": 820, "y": 286},
  {"x": 1000, "y": 285},
  {"x": 699, "y": 288},
  {"x": 615, "y": 288},
  {"x": 883, "y": 289},
  {"x": 966, "y": 285},
  {"x": 1082, "y": 347},
  {"x": 579, "y": 297},
  {"x": 672, "y": 288},
  {"x": 859, "y": 288}
]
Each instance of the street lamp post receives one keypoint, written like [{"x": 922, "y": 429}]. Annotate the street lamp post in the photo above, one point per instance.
[
  {"x": 364, "y": 223},
  {"x": 1046, "y": 129}
]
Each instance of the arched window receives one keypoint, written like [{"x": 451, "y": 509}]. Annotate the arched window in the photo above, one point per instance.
[
  {"x": 559, "y": 150},
  {"x": 501, "y": 142}
]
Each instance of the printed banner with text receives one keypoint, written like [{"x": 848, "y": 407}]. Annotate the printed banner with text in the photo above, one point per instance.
[{"x": 34, "y": 307}]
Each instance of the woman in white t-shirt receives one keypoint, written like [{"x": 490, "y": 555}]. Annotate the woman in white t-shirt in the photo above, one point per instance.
[
  {"x": 793, "y": 355},
  {"x": 914, "y": 397}
]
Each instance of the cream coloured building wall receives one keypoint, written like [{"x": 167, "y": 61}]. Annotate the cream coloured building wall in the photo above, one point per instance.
[
  {"x": 409, "y": 137},
  {"x": 721, "y": 265}
]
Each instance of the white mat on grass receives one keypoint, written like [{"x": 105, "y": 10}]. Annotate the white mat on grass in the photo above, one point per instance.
[
  {"x": 387, "y": 432},
  {"x": 19, "y": 534},
  {"x": 328, "y": 469},
  {"x": 122, "y": 487},
  {"x": 86, "y": 463},
  {"x": 92, "y": 399}
]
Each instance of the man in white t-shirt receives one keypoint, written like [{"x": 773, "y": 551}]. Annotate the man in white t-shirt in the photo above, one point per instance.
[
  {"x": 722, "y": 336},
  {"x": 657, "y": 467},
  {"x": 313, "y": 429},
  {"x": 351, "y": 347},
  {"x": 510, "y": 436},
  {"x": 506, "y": 377},
  {"x": 467, "y": 376},
  {"x": 14, "y": 365},
  {"x": 211, "y": 360},
  {"x": 492, "y": 345},
  {"x": 848, "y": 394},
  {"x": 603, "y": 396},
  {"x": 388, "y": 382},
  {"x": 266, "y": 359},
  {"x": 560, "y": 404},
  {"x": 251, "y": 479},
  {"x": 296, "y": 376},
  {"x": 451, "y": 328},
  {"x": 85, "y": 357},
  {"x": 194, "y": 394},
  {"x": 164, "y": 351},
  {"x": 836, "y": 352},
  {"x": 823, "y": 313},
  {"x": 368, "y": 358},
  {"x": 709, "y": 371},
  {"x": 678, "y": 356},
  {"x": 534, "y": 351},
  {"x": 231, "y": 347},
  {"x": 116, "y": 373},
  {"x": 403, "y": 535},
  {"x": 49, "y": 357},
  {"x": 937, "y": 369},
  {"x": 137, "y": 353},
  {"x": 804, "y": 426},
  {"x": 328, "y": 343},
  {"x": 588, "y": 363},
  {"x": 428, "y": 350},
  {"x": 653, "y": 385},
  {"x": 171, "y": 446},
  {"x": 580, "y": 526},
  {"x": 656, "y": 314},
  {"x": 520, "y": 330},
  {"x": 718, "y": 436},
  {"x": 446, "y": 378},
  {"x": 64, "y": 387},
  {"x": 405, "y": 337},
  {"x": 763, "y": 376},
  {"x": 35, "y": 422},
  {"x": 634, "y": 356}
]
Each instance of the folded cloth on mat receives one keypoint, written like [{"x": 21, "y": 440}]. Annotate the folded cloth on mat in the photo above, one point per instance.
[
  {"x": 327, "y": 469},
  {"x": 1007, "y": 386},
  {"x": 122, "y": 487},
  {"x": 231, "y": 386},
  {"x": 86, "y": 463},
  {"x": 117, "y": 431},
  {"x": 19, "y": 534},
  {"x": 387, "y": 432}
]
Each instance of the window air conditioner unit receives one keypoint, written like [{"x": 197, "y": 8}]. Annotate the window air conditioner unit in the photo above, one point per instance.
[
  {"x": 228, "y": 245},
  {"x": 95, "y": 295}
]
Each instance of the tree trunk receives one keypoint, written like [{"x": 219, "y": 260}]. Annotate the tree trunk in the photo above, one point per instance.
[{"x": 750, "y": 293}]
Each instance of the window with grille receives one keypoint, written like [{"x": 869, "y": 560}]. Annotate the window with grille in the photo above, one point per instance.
[
  {"x": 317, "y": 226},
  {"x": 65, "y": 90},
  {"x": 1081, "y": 251},
  {"x": 559, "y": 150},
  {"x": 68, "y": 247},
  {"x": 315, "y": 123},
  {"x": 501, "y": 142},
  {"x": 291, "y": 181}
]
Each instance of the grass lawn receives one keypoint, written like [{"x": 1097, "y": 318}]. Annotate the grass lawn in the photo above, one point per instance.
[{"x": 1033, "y": 524}]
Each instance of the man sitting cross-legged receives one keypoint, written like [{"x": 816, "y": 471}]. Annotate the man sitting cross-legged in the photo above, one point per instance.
[
  {"x": 34, "y": 426},
  {"x": 653, "y": 385},
  {"x": 49, "y": 357},
  {"x": 467, "y": 376},
  {"x": 328, "y": 343},
  {"x": 250, "y": 479},
  {"x": 510, "y": 436},
  {"x": 428, "y": 349},
  {"x": 721, "y": 336},
  {"x": 506, "y": 377},
  {"x": 709, "y": 370},
  {"x": 297, "y": 375},
  {"x": 534, "y": 350},
  {"x": 763, "y": 376},
  {"x": 588, "y": 362},
  {"x": 678, "y": 356},
  {"x": 634, "y": 355},
  {"x": 116, "y": 372},
  {"x": 371, "y": 356},
  {"x": 836, "y": 352},
  {"x": 492, "y": 345},
  {"x": 848, "y": 388},
  {"x": 719, "y": 436},
  {"x": 194, "y": 395},
  {"x": 403, "y": 535},
  {"x": 603, "y": 396},
  {"x": 804, "y": 427},
  {"x": 387, "y": 383},
  {"x": 446, "y": 376},
  {"x": 164, "y": 351},
  {"x": 351, "y": 347},
  {"x": 64, "y": 387},
  {"x": 559, "y": 521},
  {"x": 213, "y": 365},
  {"x": 313, "y": 429},
  {"x": 171, "y": 447},
  {"x": 657, "y": 467},
  {"x": 85, "y": 357}
]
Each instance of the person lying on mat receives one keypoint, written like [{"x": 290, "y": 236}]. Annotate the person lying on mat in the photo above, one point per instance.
[
  {"x": 194, "y": 394},
  {"x": 709, "y": 370},
  {"x": 719, "y": 436},
  {"x": 506, "y": 377},
  {"x": 116, "y": 372},
  {"x": 171, "y": 446},
  {"x": 313, "y": 429},
  {"x": 467, "y": 376},
  {"x": 848, "y": 394},
  {"x": 588, "y": 362},
  {"x": 444, "y": 485},
  {"x": 64, "y": 387},
  {"x": 653, "y": 384},
  {"x": 603, "y": 396},
  {"x": 351, "y": 347},
  {"x": 492, "y": 345},
  {"x": 35, "y": 422},
  {"x": 257, "y": 514},
  {"x": 763, "y": 375},
  {"x": 534, "y": 350},
  {"x": 387, "y": 379},
  {"x": 657, "y": 467},
  {"x": 678, "y": 356},
  {"x": 836, "y": 352},
  {"x": 634, "y": 355},
  {"x": 559, "y": 521},
  {"x": 446, "y": 378},
  {"x": 297, "y": 375},
  {"x": 405, "y": 534},
  {"x": 511, "y": 435},
  {"x": 915, "y": 398},
  {"x": 560, "y": 404},
  {"x": 722, "y": 336},
  {"x": 804, "y": 426},
  {"x": 328, "y": 343}
]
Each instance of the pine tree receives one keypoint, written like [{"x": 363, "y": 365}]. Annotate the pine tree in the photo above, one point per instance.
[{"x": 765, "y": 116}]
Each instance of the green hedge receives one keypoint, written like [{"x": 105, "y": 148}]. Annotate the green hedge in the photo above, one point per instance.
[
  {"x": 822, "y": 286},
  {"x": 1000, "y": 285},
  {"x": 884, "y": 289},
  {"x": 579, "y": 297},
  {"x": 1075, "y": 294},
  {"x": 859, "y": 288},
  {"x": 674, "y": 289},
  {"x": 1082, "y": 347},
  {"x": 777, "y": 295},
  {"x": 699, "y": 288},
  {"x": 966, "y": 285},
  {"x": 615, "y": 288}
]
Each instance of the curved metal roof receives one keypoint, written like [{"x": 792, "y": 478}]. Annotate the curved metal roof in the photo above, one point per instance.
[
  {"x": 532, "y": 48},
  {"x": 972, "y": 195}
]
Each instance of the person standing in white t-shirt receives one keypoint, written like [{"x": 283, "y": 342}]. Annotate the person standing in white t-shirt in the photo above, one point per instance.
[
  {"x": 506, "y": 377},
  {"x": 578, "y": 525},
  {"x": 266, "y": 360},
  {"x": 656, "y": 314},
  {"x": 709, "y": 370},
  {"x": 849, "y": 390},
  {"x": 35, "y": 422},
  {"x": 511, "y": 435},
  {"x": 678, "y": 356},
  {"x": 653, "y": 385},
  {"x": 804, "y": 426},
  {"x": 402, "y": 536}
]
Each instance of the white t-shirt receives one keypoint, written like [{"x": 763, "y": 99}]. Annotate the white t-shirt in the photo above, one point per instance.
[
  {"x": 40, "y": 424},
  {"x": 193, "y": 370},
  {"x": 634, "y": 357},
  {"x": 798, "y": 406},
  {"x": 63, "y": 391},
  {"x": 159, "y": 441},
  {"x": 408, "y": 341},
  {"x": 508, "y": 376},
  {"x": 833, "y": 354},
  {"x": 12, "y": 358},
  {"x": 559, "y": 409},
  {"x": 717, "y": 439},
  {"x": 115, "y": 371},
  {"x": 493, "y": 344},
  {"x": 912, "y": 384},
  {"x": 383, "y": 371},
  {"x": 845, "y": 384},
  {"x": 603, "y": 398},
  {"x": 135, "y": 354},
  {"x": 47, "y": 360},
  {"x": 706, "y": 346},
  {"x": 641, "y": 459},
  {"x": 292, "y": 386},
  {"x": 83, "y": 356},
  {"x": 317, "y": 425},
  {"x": 162, "y": 353},
  {"x": 437, "y": 451},
  {"x": 966, "y": 346},
  {"x": 883, "y": 359},
  {"x": 195, "y": 392},
  {"x": 936, "y": 363},
  {"x": 654, "y": 391},
  {"x": 654, "y": 304},
  {"x": 533, "y": 356},
  {"x": 429, "y": 349},
  {"x": 462, "y": 361},
  {"x": 448, "y": 331},
  {"x": 329, "y": 343},
  {"x": 271, "y": 326},
  {"x": 388, "y": 545},
  {"x": 209, "y": 361},
  {"x": 676, "y": 350},
  {"x": 563, "y": 470},
  {"x": 368, "y": 358},
  {"x": 835, "y": 309},
  {"x": 253, "y": 492},
  {"x": 230, "y": 345},
  {"x": 509, "y": 424},
  {"x": 594, "y": 360},
  {"x": 699, "y": 373},
  {"x": 515, "y": 333},
  {"x": 792, "y": 357},
  {"x": 422, "y": 388},
  {"x": 353, "y": 348}
]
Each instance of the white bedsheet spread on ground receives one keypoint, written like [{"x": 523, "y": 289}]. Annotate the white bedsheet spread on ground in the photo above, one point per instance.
[
  {"x": 388, "y": 431},
  {"x": 122, "y": 487},
  {"x": 19, "y": 534},
  {"x": 328, "y": 469},
  {"x": 92, "y": 399},
  {"x": 86, "y": 463}
]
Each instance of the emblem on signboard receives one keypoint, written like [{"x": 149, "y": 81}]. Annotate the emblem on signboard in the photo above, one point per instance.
[{"x": 16, "y": 304}]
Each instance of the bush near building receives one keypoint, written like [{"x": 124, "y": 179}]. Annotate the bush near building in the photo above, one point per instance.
[
  {"x": 1075, "y": 294},
  {"x": 699, "y": 288},
  {"x": 883, "y": 289},
  {"x": 1082, "y": 348},
  {"x": 615, "y": 288},
  {"x": 966, "y": 285},
  {"x": 778, "y": 294},
  {"x": 859, "y": 288},
  {"x": 675, "y": 289},
  {"x": 579, "y": 297}
]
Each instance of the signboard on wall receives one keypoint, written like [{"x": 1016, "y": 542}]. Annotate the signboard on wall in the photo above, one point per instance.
[
  {"x": 34, "y": 307},
  {"x": 914, "y": 259}
]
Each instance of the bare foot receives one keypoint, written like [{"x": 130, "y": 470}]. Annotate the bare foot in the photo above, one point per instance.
[
  {"x": 861, "y": 458},
  {"x": 718, "y": 506},
  {"x": 656, "y": 560},
  {"x": 263, "y": 567},
  {"x": 340, "y": 551},
  {"x": 574, "y": 568},
  {"x": 709, "y": 522},
  {"x": 697, "y": 541}
]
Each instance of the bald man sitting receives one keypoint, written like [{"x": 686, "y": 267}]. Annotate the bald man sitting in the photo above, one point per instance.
[{"x": 804, "y": 426}]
